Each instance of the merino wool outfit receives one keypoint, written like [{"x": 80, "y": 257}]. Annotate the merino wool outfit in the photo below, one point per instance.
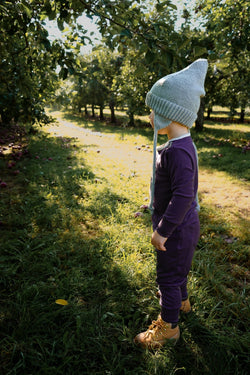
[
  {"x": 173, "y": 202},
  {"x": 175, "y": 216}
]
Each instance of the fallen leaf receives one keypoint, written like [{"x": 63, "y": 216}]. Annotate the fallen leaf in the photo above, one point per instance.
[{"x": 62, "y": 302}]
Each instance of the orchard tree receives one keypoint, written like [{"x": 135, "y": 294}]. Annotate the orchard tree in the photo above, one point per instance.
[
  {"x": 28, "y": 60},
  {"x": 79, "y": 97},
  {"x": 227, "y": 25},
  {"x": 25, "y": 79},
  {"x": 133, "y": 83},
  {"x": 62, "y": 96},
  {"x": 109, "y": 63},
  {"x": 89, "y": 84},
  {"x": 95, "y": 80},
  {"x": 97, "y": 95}
]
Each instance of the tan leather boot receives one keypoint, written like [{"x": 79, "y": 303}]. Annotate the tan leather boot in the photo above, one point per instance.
[{"x": 158, "y": 333}]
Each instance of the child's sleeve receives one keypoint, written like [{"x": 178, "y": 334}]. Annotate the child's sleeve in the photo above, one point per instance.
[{"x": 182, "y": 175}]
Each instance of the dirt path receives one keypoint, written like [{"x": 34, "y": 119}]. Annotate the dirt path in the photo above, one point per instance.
[
  {"x": 118, "y": 152},
  {"x": 215, "y": 188}
]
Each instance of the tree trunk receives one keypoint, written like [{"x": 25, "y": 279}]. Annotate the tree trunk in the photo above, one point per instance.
[
  {"x": 86, "y": 110},
  {"x": 112, "y": 110},
  {"x": 5, "y": 117},
  {"x": 242, "y": 115},
  {"x": 101, "y": 113},
  {"x": 200, "y": 116},
  {"x": 93, "y": 110},
  {"x": 131, "y": 119},
  {"x": 209, "y": 111}
]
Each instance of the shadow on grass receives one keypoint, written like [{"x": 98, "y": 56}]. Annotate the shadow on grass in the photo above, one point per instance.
[
  {"x": 216, "y": 356},
  {"x": 52, "y": 247}
]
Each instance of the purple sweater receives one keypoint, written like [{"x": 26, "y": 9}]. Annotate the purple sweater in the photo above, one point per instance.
[{"x": 176, "y": 184}]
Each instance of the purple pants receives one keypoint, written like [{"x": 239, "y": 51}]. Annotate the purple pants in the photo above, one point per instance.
[{"x": 173, "y": 266}]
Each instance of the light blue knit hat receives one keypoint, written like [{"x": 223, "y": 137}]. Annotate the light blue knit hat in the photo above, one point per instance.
[{"x": 176, "y": 97}]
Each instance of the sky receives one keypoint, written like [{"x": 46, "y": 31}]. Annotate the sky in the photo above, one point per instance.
[
  {"x": 55, "y": 33},
  {"x": 89, "y": 24}
]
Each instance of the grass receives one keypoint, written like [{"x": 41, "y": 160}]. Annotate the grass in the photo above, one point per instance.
[{"x": 68, "y": 231}]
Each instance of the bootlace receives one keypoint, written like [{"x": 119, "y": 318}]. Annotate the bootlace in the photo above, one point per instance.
[{"x": 154, "y": 327}]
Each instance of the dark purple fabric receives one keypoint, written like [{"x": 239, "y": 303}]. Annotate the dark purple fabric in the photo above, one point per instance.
[
  {"x": 176, "y": 184},
  {"x": 175, "y": 216}
]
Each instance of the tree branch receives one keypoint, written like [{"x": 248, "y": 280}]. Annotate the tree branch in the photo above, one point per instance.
[{"x": 87, "y": 6}]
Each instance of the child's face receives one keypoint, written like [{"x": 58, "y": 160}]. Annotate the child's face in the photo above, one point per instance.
[{"x": 151, "y": 119}]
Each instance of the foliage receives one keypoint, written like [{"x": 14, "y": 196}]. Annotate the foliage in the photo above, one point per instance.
[
  {"x": 139, "y": 31},
  {"x": 93, "y": 82},
  {"x": 109, "y": 64},
  {"x": 227, "y": 24},
  {"x": 29, "y": 56},
  {"x": 133, "y": 83},
  {"x": 27, "y": 62}
]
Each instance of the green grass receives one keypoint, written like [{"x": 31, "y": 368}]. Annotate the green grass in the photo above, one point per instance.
[{"x": 68, "y": 231}]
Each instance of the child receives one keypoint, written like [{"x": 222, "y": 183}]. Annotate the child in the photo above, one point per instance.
[{"x": 175, "y": 101}]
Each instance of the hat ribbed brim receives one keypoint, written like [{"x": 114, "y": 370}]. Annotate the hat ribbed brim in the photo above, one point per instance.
[{"x": 170, "y": 110}]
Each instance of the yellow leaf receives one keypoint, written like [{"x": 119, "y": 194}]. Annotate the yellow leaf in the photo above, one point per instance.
[{"x": 61, "y": 302}]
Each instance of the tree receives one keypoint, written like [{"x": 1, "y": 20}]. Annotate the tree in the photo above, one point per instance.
[
  {"x": 89, "y": 87},
  {"x": 133, "y": 83},
  {"x": 110, "y": 63},
  {"x": 22, "y": 62},
  {"x": 27, "y": 62},
  {"x": 227, "y": 24}
]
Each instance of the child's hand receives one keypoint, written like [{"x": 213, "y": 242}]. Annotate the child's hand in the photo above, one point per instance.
[{"x": 158, "y": 241}]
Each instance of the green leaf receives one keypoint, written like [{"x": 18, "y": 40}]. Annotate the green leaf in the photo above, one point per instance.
[
  {"x": 71, "y": 70},
  {"x": 63, "y": 73},
  {"x": 46, "y": 43},
  {"x": 166, "y": 3},
  {"x": 43, "y": 16},
  {"x": 127, "y": 33},
  {"x": 172, "y": 6},
  {"x": 52, "y": 15},
  {"x": 60, "y": 24},
  {"x": 26, "y": 9},
  {"x": 198, "y": 51},
  {"x": 167, "y": 58},
  {"x": 150, "y": 57},
  {"x": 212, "y": 55}
]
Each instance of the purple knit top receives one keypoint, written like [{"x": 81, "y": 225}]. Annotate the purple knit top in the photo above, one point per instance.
[{"x": 176, "y": 184}]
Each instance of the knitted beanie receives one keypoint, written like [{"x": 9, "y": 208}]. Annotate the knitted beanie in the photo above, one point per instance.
[{"x": 176, "y": 97}]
